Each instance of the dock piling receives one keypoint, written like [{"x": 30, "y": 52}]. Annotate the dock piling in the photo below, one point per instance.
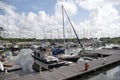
[
  {"x": 40, "y": 69},
  {"x": 6, "y": 71}
]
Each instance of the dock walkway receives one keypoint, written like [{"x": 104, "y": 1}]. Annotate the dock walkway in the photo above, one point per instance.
[{"x": 74, "y": 70}]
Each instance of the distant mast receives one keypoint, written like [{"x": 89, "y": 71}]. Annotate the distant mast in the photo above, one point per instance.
[
  {"x": 1, "y": 30},
  {"x": 63, "y": 24},
  {"x": 84, "y": 32}
]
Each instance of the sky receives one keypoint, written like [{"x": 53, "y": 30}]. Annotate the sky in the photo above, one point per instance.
[{"x": 43, "y": 18}]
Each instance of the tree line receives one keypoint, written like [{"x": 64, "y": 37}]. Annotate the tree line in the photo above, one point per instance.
[{"x": 115, "y": 40}]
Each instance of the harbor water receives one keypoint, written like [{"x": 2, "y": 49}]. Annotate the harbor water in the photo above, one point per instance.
[
  {"x": 25, "y": 60},
  {"x": 108, "y": 73}
]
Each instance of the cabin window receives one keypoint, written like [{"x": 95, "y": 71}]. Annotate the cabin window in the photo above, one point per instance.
[
  {"x": 35, "y": 53},
  {"x": 38, "y": 55}
]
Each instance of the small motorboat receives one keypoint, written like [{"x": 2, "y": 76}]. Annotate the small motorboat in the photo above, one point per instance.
[{"x": 6, "y": 64}]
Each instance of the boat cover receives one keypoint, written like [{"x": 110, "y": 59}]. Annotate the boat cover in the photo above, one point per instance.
[{"x": 56, "y": 51}]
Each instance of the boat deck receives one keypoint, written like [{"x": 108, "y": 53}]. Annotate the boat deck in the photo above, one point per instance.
[
  {"x": 11, "y": 65},
  {"x": 68, "y": 72}
]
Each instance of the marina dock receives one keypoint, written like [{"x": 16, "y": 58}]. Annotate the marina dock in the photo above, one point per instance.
[{"x": 74, "y": 70}]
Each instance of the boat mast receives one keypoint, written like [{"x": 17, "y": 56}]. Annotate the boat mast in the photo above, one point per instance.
[
  {"x": 63, "y": 24},
  {"x": 43, "y": 33},
  {"x": 73, "y": 29}
]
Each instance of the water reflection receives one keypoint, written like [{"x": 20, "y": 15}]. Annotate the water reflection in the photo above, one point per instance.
[
  {"x": 117, "y": 74},
  {"x": 25, "y": 60},
  {"x": 109, "y": 73}
]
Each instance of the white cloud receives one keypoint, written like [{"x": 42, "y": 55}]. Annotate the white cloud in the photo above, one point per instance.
[
  {"x": 27, "y": 25},
  {"x": 69, "y": 5},
  {"x": 7, "y": 8},
  {"x": 103, "y": 20},
  {"x": 20, "y": 25},
  {"x": 114, "y": 1}
]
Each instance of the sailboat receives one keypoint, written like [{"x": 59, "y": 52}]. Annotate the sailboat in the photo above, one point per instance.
[
  {"x": 68, "y": 57},
  {"x": 47, "y": 59}
]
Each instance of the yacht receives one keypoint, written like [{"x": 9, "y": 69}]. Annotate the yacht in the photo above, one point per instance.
[{"x": 45, "y": 59}]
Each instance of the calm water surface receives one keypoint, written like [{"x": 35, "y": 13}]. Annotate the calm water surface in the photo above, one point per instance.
[
  {"x": 108, "y": 73},
  {"x": 25, "y": 60}
]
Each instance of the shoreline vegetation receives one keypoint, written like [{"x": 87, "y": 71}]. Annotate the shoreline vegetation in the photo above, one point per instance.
[{"x": 115, "y": 40}]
